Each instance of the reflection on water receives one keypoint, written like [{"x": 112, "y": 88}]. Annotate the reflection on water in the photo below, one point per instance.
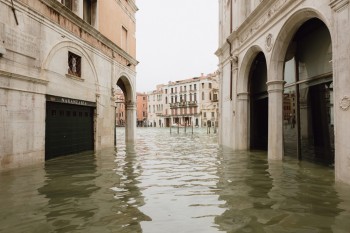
[{"x": 173, "y": 183}]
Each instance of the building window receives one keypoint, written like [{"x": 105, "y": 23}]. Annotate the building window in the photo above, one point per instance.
[
  {"x": 166, "y": 91},
  {"x": 74, "y": 64},
  {"x": 67, "y": 3},
  {"x": 124, "y": 41},
  {"x": 209, "y": 85},
  {"x": 194, "y": 86},
  {"x": 212, "y": 114},
  {"x": 89, "y": 12},
  {"x": 195, "y": 97},
  {"x": 204, "y": 114},
  {"x": 202, "y": 85},
  {"x": 202, "y": 95}
]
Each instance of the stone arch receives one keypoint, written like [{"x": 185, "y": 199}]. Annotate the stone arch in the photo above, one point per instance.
[
  {"x": 286, "y": 34},
  {"x": 243, "y": 97},
  {"x": 69, "y": 44},
  {"x": 276, "y": 75},
  {"x": 126, "y": 84},
  {"x": 244, "y": 68}
]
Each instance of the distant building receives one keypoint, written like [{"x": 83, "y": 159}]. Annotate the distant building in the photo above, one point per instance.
[
  {"x": 156, "y": 111},
  {"x": 119, "y": 108},
  {"x": 192, "y": 101},
  {"x": 141, "y": 111}
]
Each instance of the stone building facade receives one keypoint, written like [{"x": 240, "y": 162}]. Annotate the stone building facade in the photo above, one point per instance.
[
  {"x": 119, "y": 108},
  {"x": 60, "y": 62},
  {"x": 192, "y": 101},
  {"x": 284, "y": 69},
  {"x": 141, "y": 111}
]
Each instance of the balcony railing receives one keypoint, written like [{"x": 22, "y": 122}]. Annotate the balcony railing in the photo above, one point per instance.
[
  {"x": 185, "y": 114},
  {"x": 184, "y": 104}
]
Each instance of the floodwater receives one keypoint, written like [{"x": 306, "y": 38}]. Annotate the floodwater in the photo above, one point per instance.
[{"x": 173, "y": 183}]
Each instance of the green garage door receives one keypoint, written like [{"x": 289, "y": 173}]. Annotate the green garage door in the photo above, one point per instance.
[{"x": 69, "y": 129}]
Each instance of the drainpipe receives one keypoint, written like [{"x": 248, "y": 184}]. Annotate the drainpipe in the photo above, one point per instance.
[{"x": 231, "y": 17}]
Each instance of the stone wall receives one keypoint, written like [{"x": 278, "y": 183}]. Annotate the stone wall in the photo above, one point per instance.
[{"x": 34, "y": 63}]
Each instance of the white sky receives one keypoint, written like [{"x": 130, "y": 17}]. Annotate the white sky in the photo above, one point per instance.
[{"x": 176, "y": 39}]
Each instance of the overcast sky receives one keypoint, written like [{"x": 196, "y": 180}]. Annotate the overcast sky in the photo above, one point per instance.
[{"x": 176, "y": 39}]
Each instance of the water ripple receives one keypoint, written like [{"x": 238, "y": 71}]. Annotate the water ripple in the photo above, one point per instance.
[{"x": 173, "y": 183}]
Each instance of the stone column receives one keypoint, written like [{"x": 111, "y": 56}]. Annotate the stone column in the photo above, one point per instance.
[
  {"x": 130, "y": 122},
  {"x": 341, "y": 85},
  {"x": 242, "y": 121},
  {"x": 275, "y": 127}
]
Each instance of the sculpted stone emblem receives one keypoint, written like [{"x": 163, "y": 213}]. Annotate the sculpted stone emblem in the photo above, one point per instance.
[
  {"x": 269, "y": 42},
  {"x": 345, "y": 103}
]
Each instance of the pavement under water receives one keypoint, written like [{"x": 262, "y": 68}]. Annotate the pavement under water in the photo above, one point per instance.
[{"x": 173, "y": 183}]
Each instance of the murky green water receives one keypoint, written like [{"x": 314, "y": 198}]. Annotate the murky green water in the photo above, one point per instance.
[{"x": 173, "y": 183}]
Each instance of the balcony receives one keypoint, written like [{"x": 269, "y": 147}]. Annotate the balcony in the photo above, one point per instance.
[{"x": 184, "y": 104}]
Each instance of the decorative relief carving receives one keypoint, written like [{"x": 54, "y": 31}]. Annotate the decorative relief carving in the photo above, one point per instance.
[
  {"x": 262, "y": 20},
  {"x": 344, "y": 103},
  {"x": 269, "y": 42}
]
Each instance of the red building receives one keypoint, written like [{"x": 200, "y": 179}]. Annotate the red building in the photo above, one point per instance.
[{"x": 141, "y": 111}]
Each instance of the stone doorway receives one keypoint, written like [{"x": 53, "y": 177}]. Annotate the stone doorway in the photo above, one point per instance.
[
  {"x": 308, "y": 94},
  {"x": 258, "y": 103}
]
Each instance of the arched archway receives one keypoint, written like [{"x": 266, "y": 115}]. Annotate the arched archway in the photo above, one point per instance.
[
  {"x": 252, "y": 101},
  {"x": 72, "y": 101},
  {"x": 127, "y": 88},
  {"x": 302, "y": 58},
  {"x": 258, "y": 114}
]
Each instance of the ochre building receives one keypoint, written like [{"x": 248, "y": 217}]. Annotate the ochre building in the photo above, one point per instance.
[
  {"x": 284, "y": 71},
  {"x": 60, "y": 64}
]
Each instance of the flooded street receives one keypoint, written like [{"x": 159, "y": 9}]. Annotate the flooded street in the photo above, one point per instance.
[{"x": 173, "y": 183}]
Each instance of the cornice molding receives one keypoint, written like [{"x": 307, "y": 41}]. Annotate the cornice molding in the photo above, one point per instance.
[
  {"x": 54, "y": 4},
  {"x": 23, "y": 77},
  {"x": 133, "y": 5},
  {"x": 338, "y": 5},
  {"x": 125, "y": 9}
]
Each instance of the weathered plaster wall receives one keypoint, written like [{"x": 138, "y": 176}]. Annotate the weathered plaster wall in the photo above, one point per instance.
[{"x": 35, "y": 63}]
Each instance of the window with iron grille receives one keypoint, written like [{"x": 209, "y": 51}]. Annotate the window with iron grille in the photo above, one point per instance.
[{"x": 74, "y": 64}]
